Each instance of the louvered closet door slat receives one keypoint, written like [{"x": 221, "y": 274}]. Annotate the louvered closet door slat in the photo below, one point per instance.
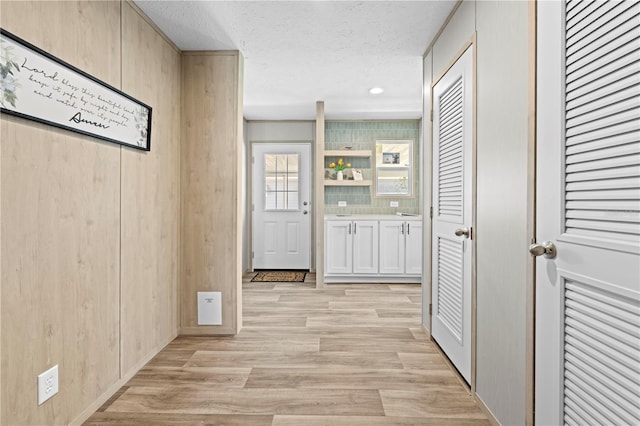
[
  {"x": 591, "y": 118},
  {"x": 573, "y": 8},
  {"x": 602, "y": 173},
  {"x": 618, "y": 368},
  {"x": 617, "y": 194},
  {"x": 582, "y": 40},
  {"x": 592, "y": 40},
  {"x": 604, "y": 101},
  {"x": 604, "y": 216},
  {"x": 623, "y": 76},
  {"x": 583, "y": 9},
  {"x": 610, "y": 206},
  {"x": 450, "y": 151},
  {"x": 584, "y": 60},
  {"x": 604, "y": 184},
  {"x": 451, "y": 103},
  {"x": 605, "y": 11},
  {"x": 615, "y": 367},
  {"x": 629, "y": 149},
  {"x": 628, "y": 114},
  {"x": 606, "y": 142},
  {"x": 617, "y": 59},
  {"x": 602, "y": 355},
  {"x": 627, "y": 160},
  {"x": 449, "y": 307}
]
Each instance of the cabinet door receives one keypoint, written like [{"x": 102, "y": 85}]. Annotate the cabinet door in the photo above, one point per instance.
[
  {"x": 365, "y": 247},
  {"x": 392, "y": 247},
  {"x": 413, "y": 247},
  {"x": 338, "y": 247}
]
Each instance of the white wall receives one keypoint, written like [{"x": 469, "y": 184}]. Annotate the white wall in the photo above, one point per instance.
[
  {"x": 271, "y": 131},
  {"x": 501, "y": 231},
  {"x": 244, "y": 195},
  {"x": 502, "y": 206},
  {"x": 281, "y": 131},
  {"x": 427, "y": 76}
]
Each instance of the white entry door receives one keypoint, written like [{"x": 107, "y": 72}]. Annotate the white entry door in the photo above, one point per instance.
[
  {"x": 588, "y": 207},
  {"x": 281, "y": 206},
  {"x": 452, "y": 212}
]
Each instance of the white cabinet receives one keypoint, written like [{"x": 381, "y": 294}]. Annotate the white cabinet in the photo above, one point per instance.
[
  {"x": 351, "y": 247},
  {"x": 401, "y": 247},
  {"x": 392, "y": 247},
  {"x": 373, "y": 250},
  {"x": 413, "y": 248},
  {"x": 338, "y": 241},
  {"x": 365, "y": 247}
]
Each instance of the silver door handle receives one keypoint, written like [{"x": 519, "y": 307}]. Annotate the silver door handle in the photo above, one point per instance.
[
  {"x": 462, "y": 232},
  {"x": 305, "y": 212},
  {"x": 403, "y": 229},
  {"x": 408, "y": 228},
  {"x": 355, "y": 228},
  {"x": 547, "y": 248},
  {"x": 349, "y": 229}
]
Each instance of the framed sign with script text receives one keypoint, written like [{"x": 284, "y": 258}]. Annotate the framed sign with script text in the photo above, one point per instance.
[{"x": 38, "y": 86}]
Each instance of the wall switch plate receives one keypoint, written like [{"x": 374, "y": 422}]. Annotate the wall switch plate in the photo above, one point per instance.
[
  {"x": 47, "y": 384},
  {"x": 209, "y": 308},
  {"x": 393, "y": 204},
  {"x": 342, "y": 204}
]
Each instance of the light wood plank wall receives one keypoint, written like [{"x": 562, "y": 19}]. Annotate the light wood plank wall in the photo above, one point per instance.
[
  {"x": 319, "y": 191},
  {"x": 211, "y": 187},
  {"x": 90, "y": 230},
  {"x": 150, "y": 191}
]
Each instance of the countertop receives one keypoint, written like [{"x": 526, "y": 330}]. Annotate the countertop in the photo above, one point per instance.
[{"x": 370, "y": 217}]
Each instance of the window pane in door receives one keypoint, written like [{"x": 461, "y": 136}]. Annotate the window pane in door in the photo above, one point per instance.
[{"x": 281, "y": 181}]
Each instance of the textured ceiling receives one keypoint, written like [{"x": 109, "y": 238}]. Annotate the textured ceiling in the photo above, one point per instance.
[{"x": 299, "y": 52}]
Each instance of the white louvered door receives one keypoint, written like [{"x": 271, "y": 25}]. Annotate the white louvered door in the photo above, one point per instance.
[
  {"x": 588, "y": 205},
  {"x": 452, "y": 210}
]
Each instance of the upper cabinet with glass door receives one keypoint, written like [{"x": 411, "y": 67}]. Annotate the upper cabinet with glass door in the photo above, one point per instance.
[{"x": 394, "y": 172}]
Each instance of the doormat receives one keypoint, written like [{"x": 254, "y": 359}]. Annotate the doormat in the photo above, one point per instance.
[{"x": 279, "y": 277}]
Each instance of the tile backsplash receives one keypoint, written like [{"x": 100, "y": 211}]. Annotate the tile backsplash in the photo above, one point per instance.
[{"x": 362, "y": 135}]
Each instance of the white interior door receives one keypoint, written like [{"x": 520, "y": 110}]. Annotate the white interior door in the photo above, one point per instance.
[
  {"x": 281, "y": 208},
  {"x": 588, "y": 206},
  {"x": 452, "y": 212}
]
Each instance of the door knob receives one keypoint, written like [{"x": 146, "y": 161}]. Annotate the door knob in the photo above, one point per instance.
[
  {"x": 547, "y": 248},
  {"x": 305, "y": 203},
  {"x": 305, "y": 212},
  {"x": 462, "y": 231}
]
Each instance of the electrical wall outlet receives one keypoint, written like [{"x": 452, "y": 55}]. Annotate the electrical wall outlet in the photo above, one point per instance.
[
  {"x": 393, "y": 204},
  {"x": 47, "y": 384},
  {"x": 342, "y": 204}
]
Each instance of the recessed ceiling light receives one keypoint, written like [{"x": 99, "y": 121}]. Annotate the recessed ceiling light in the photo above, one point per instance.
[{"x": 376, "y": 90}]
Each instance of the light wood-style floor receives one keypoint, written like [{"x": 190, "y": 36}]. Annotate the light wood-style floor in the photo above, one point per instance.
[{"x": 345, "y": 355}]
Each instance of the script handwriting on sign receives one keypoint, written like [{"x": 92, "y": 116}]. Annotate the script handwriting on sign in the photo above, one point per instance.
[
  {"x": 38, "y": 71},
  {"x": 77, "y": 118}
]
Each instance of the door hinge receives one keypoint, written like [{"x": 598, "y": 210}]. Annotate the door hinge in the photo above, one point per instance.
[
  {"x": 431, "y": 116},
  {"x": 430, "y": 308},
  {"x": 253, "y": 254},
  {"x": 253, "y": 207},
  {"x": 431, "y": 212}
]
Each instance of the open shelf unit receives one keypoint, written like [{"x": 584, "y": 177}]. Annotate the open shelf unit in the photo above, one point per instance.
[
  {"x": 348, "y": 153},
  {"x": 329, "y": 182}
]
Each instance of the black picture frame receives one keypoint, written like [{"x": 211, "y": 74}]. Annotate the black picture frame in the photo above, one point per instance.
[{"x": 58, "y": 94}]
